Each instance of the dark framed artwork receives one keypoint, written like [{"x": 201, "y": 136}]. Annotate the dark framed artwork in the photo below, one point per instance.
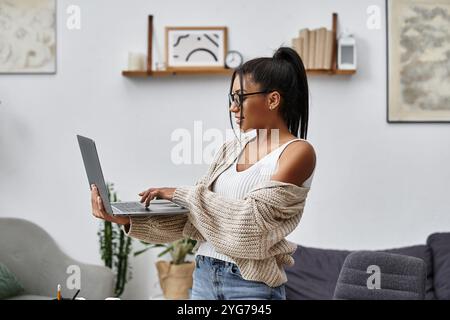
[{"x": 418, "y": 55}]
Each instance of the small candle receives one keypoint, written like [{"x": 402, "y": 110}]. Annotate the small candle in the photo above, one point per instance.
[{"x": 136, "y": 61}]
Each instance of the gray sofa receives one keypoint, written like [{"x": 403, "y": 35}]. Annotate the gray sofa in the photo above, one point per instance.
[
  {"x": 39, "y": 264},
  {"x": 316, "y": 271}
]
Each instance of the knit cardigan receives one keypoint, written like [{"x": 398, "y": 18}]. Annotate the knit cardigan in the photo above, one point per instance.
[{"x": 251, "y": 230}]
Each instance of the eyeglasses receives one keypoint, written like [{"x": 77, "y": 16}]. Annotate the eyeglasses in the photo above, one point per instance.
[{"x": 238, "y": 98}]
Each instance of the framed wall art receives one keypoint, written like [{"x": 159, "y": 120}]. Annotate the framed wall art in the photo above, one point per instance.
[
  {"x": 27, "y": 36},
  {"x": 418, "y": 36},
  {"x": 196, "y": 47}
]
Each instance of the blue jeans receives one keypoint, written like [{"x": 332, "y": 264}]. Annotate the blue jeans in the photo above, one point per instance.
[{"x": 215, "y": 279}]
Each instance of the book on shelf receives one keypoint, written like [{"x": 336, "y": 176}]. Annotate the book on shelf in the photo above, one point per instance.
[
  {"x": 328, "y": 58},
  {"x": 315, "y": 47},
  {"x": 300, "y": 46},
  {"x": 304, "y": 36},
  {"x": 320, "y": 48},
  {"x": 312, "y": 49},
  {"x": 297, "y": 45}
]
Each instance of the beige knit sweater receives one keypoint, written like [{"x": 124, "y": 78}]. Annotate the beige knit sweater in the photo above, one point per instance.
[{"x": 251, "y": 231}]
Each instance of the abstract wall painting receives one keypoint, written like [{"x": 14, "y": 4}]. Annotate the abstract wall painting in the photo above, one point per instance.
[
  {"x": 27, "y": 36},
  {"x": 418, "y": 37}
]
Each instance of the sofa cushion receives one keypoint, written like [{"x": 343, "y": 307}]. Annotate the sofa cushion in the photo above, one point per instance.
[
  {"x": 401, "y": 277},
  {"x": 315, "y": 272},
  {"x": 422, "y": 252},
  {"x": 440, "y": 248}
]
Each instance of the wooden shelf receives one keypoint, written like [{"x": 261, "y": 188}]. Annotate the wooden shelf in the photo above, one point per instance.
[
  {"x": 174, "y": 72},
  {"x": 222, "y": 71},
  {"x": 218, "y": 72},
  {"x": 330, "y": 72}
]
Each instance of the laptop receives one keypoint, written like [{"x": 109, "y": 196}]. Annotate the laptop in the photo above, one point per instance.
[{"x": 131, "y": 208}]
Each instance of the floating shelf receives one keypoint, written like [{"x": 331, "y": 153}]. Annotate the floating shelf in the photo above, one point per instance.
[
  {"x": 222, "y": 71},
  {"x": 330, "y": 72},
  {"x": 218, "y": 72},
  {"x": 174, "y": 72}
]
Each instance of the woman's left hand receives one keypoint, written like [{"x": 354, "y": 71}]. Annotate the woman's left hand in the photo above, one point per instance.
[{"x": 161, "y": 193}]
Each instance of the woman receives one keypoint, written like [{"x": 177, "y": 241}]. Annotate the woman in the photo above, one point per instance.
[{"x": 240, "y": 214}]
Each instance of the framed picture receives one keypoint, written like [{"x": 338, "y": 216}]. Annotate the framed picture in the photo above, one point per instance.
[
  {"x": 188, "y": 47},
  {"x": 28, "y": 36},
  {"x": 418, "y": 49}
]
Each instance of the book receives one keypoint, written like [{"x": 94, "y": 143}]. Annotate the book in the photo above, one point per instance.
[
  {"x": 319, "y": 48},
  {"x": 300, "y": 45},
  {"x": 312, "y": 48},
  {"x": 304, "y": 36},
  {"x": 329, "y": 42},
  {"x": 296, "y": 45},
  {"x": 322, "y": 44}
]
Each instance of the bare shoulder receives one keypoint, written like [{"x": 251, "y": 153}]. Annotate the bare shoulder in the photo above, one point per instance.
[{"x": 296, "y": 163}]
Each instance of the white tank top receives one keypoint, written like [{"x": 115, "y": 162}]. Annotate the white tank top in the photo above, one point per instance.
[{"x": 236, "y": 184}]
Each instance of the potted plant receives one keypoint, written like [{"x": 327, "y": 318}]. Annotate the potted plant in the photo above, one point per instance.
[
  {"x": 175, "y": 276},
  {"x": 115, "y": 248}
]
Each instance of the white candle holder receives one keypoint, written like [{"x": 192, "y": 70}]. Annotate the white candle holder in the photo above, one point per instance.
[{"x": 136, "y": 61}]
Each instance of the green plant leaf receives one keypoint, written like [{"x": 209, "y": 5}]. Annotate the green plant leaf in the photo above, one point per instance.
[
  {"x": 170, "y": 248},
  {"x": 140, "y": 252}
]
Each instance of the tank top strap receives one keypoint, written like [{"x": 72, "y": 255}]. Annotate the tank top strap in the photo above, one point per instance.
[{"x": 281, "y": 148}]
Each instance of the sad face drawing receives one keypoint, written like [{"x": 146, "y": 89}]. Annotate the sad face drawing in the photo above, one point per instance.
[{"x": 196, "y": 48}]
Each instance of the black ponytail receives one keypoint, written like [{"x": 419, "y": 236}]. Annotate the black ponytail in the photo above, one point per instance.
[
  {"x": 295, "y": 107},
  {"x": 285, "y": 73}
]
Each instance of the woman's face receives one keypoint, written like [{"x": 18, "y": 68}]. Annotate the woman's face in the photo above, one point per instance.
[{"x": 255, "y": 108}]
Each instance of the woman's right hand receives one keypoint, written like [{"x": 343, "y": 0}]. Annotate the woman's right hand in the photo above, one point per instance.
[{"x": 98, "y": 210}]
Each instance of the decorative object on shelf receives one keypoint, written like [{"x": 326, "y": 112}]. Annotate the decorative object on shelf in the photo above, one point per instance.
[
  {"x": 346, "y": 51},
  {"x": 196, "y": 47},
  {"x": 115, "y": 248},
  {"x": 163, "y": 70},
  {"x": 175, "y": 277},
  {"x": 318, "y": 50},
  {"x": 136, "y": 61},
  {"x": 233, "y": 59},
  {"x": 28, "y": 36},
  {"x": 418, "y": 34}
]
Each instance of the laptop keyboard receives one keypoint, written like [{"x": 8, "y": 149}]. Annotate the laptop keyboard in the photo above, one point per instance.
[
  {"x": 129, "y": 206},
  {"x": 139, "y": 207}
]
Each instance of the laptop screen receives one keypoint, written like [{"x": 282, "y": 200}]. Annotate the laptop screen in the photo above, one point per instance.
[{"x": 93, "y": 169}]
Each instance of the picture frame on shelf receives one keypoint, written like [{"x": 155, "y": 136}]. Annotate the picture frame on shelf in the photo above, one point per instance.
[
  {"x": 418, "y": 36},
  {"x": 195, "y": 47}
]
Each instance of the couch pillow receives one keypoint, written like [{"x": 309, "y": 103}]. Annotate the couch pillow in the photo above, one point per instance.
[
  {"x": 422, "y": 252},
  {"x": 316, "y": 271},
  {"x": 9, "y": 285},
  {"x": 440, "y": 247}
]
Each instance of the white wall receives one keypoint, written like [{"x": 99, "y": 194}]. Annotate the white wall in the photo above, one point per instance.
[{"x": 377, "y": 185}]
